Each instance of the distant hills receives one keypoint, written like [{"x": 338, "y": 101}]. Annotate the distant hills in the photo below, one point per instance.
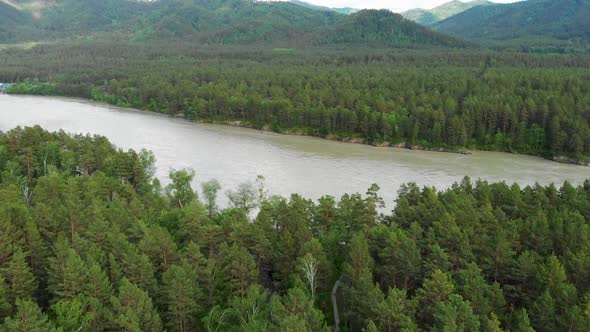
[
  {"x": 437, "y": 14},
  {"x": 345, "y": 10},
  {"x": 531, "y": 21},
  {"x": 209, "y": 21}
]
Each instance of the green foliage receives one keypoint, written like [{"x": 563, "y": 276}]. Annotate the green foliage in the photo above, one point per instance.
[
  {"x": 67, "y": 274},
  {"x": 5, "y": 306},
  {"x": 210, "y": 189},
  {"x": 21, "y": 281},
  {"x": 295, "y": 312},
  {"x": 29, "y": 87},
  {"x": 28, "y": 317},
  {"x": 477, "y": 256},
  {"x": 134, "y": 310},
  {"x": 180, "y": 191},
  {"x": 71, "y": 315},
  {"x": 183, "y": 297}
]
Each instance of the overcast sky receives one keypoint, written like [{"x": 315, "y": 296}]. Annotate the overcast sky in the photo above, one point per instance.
[{"x": 396, "y": 5}]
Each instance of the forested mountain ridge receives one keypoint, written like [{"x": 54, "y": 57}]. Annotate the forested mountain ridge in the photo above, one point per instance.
[
  {"x": 384, "y": 28},
  {"x": 90, "y": 241},
  {"x": 214, "y": 21},
  {"x": 446, "y": 10},
  {"x": 565, "y": 20}
]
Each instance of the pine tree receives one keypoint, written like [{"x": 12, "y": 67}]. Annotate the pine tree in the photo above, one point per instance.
[
  {"x": 99, "y": 291},
  {"x": 251, "y": 312},
  {"x": 522, "y": 322},
  {"x": 455, "y": 315},
  {"x": 21, "y": 281},
  {"x": 139, "y": 270},
  {"x": 434, "y": 291},
  {"x": 160, "y": 247},
  {"x": 36, "y": 248},
  {"x": 485, "y": 299},
  {"x": 396, "y": 312},
  {"x": 371, "y": 327},
  {"x": 491, "y": 324},
  {"x": 238, "y": 270},
  {"x": 5, "y": 306},
  {"x": 295, "y": 312},
  {"x": 28, "y": 318},
  {"x": 182, "y": 297},
  {"x": 361, "y": 294},
  {"x": 9, "y": 237},
  {"x": 67, "y": 272},
  {"x": 72, "y": 315},
  {"x": 134, "y": 310}
]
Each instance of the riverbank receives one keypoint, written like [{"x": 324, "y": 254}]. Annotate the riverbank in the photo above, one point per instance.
[
  {"x": 569, "y": 160},
  {"x": 401, "y": 145},
  {"x": 355, "y": 140}
]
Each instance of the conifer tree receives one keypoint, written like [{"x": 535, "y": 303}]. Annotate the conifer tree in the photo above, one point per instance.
[
  {"x": 183, "y": 296},
  {"x": 67, "y": 274},
  {"x": 28, "y": 318},
  {"x": 21, "y": 281},
  {"x": 134, "y": 310}
]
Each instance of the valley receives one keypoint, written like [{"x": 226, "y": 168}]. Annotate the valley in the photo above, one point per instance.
[{"x": 126, "y": 206}]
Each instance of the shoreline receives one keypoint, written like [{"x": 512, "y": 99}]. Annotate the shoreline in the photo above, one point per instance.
[
  {"x": 352, "y": 140},
  {"x": 402, "y": 145}
]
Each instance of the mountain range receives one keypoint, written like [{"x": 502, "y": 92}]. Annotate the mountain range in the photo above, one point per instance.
[
  {"x": 209, "y": 21},
  {"x": 437, "y": 14},
  {"x": 295, "y": 23}
]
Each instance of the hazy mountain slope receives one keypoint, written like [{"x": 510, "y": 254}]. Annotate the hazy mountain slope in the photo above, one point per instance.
[
  {"x": 533, "y": 19},
  {"x": 73, "y": 16},
  {"x": 11, "y": 17},
  {"x": 434, "y": 15},
  {"x": 345, "y": 10}
]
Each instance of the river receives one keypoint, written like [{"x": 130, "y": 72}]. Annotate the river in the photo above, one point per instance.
[{"x": 309, "y": 166}]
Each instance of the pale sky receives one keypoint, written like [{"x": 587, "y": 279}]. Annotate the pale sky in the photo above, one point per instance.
[{"x": 395, "y": 5}]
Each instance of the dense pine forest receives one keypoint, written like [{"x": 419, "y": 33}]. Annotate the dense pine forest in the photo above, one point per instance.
[
  {"x": 436, "y": 97},
  {"x": 90, "y": 241}
]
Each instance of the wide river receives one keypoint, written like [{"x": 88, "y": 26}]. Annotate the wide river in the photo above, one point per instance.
[{"x": 309, "y": 166}]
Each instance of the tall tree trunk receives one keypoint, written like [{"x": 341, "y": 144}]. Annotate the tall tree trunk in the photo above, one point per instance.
[{"x": 335, "y": 306}]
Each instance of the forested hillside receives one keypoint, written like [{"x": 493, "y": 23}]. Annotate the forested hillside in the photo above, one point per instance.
[
  {"x": 536, "y": 104},
  {"x": 381, "y": 27},
  {"x": 89, "y": 241},
  {"x": 526, "y": 22},
  {"x": 204, "y": 22}
]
